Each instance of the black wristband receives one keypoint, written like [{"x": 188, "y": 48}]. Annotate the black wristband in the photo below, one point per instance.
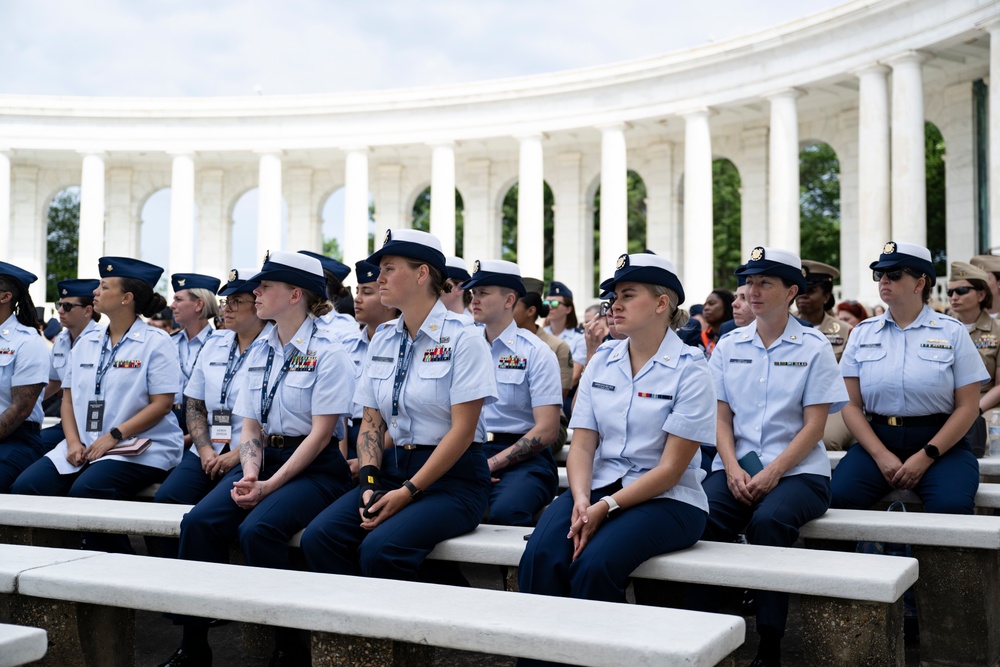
[{"x": 369, "y": 479}]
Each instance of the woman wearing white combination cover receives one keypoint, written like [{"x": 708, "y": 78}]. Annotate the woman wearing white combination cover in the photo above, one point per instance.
[
  {"x": 120, "y": 383},
  {"x": 776, "y": 381},
  {"x": 643, "y": 406}
]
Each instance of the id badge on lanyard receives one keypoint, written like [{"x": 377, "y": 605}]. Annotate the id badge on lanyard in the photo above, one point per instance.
[
  {"x": 95, "y": 416},
  {"x": 222, "y": 426}
]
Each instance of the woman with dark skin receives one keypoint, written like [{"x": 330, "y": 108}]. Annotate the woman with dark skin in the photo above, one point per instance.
[{"x": 718, "y": 308}]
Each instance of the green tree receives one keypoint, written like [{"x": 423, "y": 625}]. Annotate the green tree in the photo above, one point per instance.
[
  {"x": 936, "y": 235},
  {"x": 331, "y": 248},
  {"x": 727, "y": 217},
  {"x": 422, "y": 217},
  {"x": 819, "y": 204},
  {"x": 636, "y": 211},
  {"x": 508, "y": 240},
  {"x": 63, "y": 240}
]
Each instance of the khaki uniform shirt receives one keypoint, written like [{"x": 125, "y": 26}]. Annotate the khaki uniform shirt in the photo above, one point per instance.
[
  {"x": 836, "y": 332},
  {"x": 563, "y": 354},
  {"x": 986, "y": 337}
]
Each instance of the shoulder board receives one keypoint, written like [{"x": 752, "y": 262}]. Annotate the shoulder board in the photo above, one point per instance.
[
  {"x": 390, "y": 323},
  {"x": 156, "y": 331},
  {"x": 868, "y": 322}
]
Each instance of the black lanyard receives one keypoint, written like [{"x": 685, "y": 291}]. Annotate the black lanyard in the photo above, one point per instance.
[
  {"x": 101, "y": 368},
  {"x": 266, "y": 397},
  {"x": 402, "y": 362},
  {"x": 231, "y": 370}
]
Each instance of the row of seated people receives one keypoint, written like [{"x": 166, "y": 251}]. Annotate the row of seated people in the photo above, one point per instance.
[{"x": 454, "y": 422}]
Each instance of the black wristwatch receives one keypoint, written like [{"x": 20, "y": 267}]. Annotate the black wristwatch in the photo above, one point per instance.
[
  {"x": 116, "y": 434},
  {"x": 932, "y": 452},
  {"x": 412, "y": 488}
]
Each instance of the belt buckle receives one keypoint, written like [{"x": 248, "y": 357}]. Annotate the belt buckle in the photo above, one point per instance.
[
  {"x": 278, "y": 441},
  {"x": 408, "y": 448},
  {"x": 490, "y": 437},
  {"x": 895, "y": 421}
]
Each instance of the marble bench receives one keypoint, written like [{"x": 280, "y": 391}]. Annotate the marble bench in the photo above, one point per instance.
[
  {"x": 20, "y": 645},
  {"x": 852, "y": 601},
  {"x": 362, "y": 621}
]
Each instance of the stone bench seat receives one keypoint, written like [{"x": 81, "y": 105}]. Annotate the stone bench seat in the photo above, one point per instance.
[
  {"x": 20, "y": 645},
  {"x": 356, "y": 618}
]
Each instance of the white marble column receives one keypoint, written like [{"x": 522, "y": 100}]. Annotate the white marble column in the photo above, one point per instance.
[
  {"x": 482, "y": 224},
  {"x": 215, "y": 254},
  {"x": 388, "y": 201},
  {"x": 698, "y": 258},
  {"x": 909, "y": 173},
  {"x": 124, "y": 224},
  {"x": 268, "y": 205},
  {"x": 753, "y": 191},
  {"x": 5, "y": 210},
  {"x": 659, "y": 177},
  {"x": 443, "y": 196},
  {"x": 958, "y": 129},
  {"x": 304, "y": 228},
  {"x": 91, "y": 214},
  {"x": 573, "y": 254},
  {"x": 531, "y": 208},
  {"x": 614, "y": 198},
  {"x": 356, "y": 206},
  {"x": 181, "y": 215},
  {"x": 994, "y": 134},
  {"x": 29, "y": 229},
  {"x": 783, "y": 172},
  {"x": 874, "y": 193}
]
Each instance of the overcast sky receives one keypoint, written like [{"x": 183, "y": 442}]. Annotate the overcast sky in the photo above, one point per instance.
[{"x": 246, "y": 47}]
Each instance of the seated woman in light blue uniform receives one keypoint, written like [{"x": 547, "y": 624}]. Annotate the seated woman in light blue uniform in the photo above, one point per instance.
[
  {"x": 76, "y": 313},
  {"x": 524, "y": 423},
  {"x": 425, "y": 380},
  {"x": 776, "y": 381},
  {"x": 24, "y": 363},
  {"x": 643, "y": 406},
  {"x": 193, "y": 306},
  {"x": 913, "y": 376},
  {"x": 120, "y": 384},
  {"x": 298, "y": 389},
  {"x": 457, "y": 299},
  {"x": 217, "y": 381}
]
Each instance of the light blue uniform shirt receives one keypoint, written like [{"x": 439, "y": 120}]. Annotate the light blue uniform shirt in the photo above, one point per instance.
[
  {"x": 527, "y": 373},
  {"x": 61, "y": 347},
  {"x": 209, "y": 373},
  {"x": 447, "y": 363},
  {"x": 768, "y": 390},
  {"x": 357, "y": 348},
  {"x": 22, "y": 351},
  {"x": 188, "y": 352},
  {"x": 320, "y": 381},
  {"x": 576, "y": 341},
  {"x": 340, "y": 324},
  {"x": 912, "y": 372},
  {"x": 671, "y": 393},
  {"x": 145, "y": 365}
]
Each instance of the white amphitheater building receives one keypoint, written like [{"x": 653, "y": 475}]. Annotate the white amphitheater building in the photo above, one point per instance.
[{"x": 862, "y": 77}]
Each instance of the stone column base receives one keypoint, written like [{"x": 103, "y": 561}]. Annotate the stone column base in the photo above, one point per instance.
[
  {"x": 80, "y": 635},
  {"x": 850, "y": 632},
  {"x": 330, "y": 649}
]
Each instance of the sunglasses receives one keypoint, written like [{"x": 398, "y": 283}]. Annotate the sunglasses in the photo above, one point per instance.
[
  {"x": 961, "y": 291},
  {"x": 895, "y": 275},
  {"x": 66, "y": 306},
  {"x": 552, "y": 303}
]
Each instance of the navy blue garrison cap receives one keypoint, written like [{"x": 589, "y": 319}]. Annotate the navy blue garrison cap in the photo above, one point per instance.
[
  {"x": 905, "y": 255},
  {"x": 77, "y": 287},
  {"x": 414, "y": 244},
  {"x": 646, "y": 268},
  {"x": 774, "y": 262},
  {"x": 496, "y": 272},
  {"x": 556, "y": 288},
  {"x": 338, "y": 269},
  {"x": 295, "y": 269},
  {"x": 126, "y": 267},
  {"x": 24, "y": 277},
  {"x": 182, "y": 281},
  {"x": 365, "y": 272},
  {"x": 239, "y": 282}
]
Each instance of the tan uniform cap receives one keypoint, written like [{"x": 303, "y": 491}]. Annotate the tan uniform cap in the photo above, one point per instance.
[
  {"x": 989, "y": 263},
  {"x": 965, "y": 271}
]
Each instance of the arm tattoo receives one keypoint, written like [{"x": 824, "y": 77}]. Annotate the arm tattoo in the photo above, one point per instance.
[
  {"x": 197, "y": 422},
  {"x": 251, "y": 452},
  {"x": 22, "y": 401},
  {"x": 371, "y": 438},
  {"x": 524, "y": 449}
]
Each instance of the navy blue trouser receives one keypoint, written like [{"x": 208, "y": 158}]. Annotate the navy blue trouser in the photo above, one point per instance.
[
  {"x": 17, "y": 453},
  {"x": 186, "y": 484},
  {"x": 336, "y": 543},
  {"x": 948, "y": 487},
  {"x": 109, "y": 479},
  {"x": 52, "y": 436},
  {"x": 774, "y": 521},
  {"x": 524, "y": 488}
]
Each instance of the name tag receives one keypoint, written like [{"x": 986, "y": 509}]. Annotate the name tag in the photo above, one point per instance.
[
  {"x": 216, "y": 363},
  {"x": 58, "y": 354},
  {"x": 665, "y": 397},
  {"x": 387, "y": 360},
  {"x": 864, "y": 345},
  {"x": 439, "y": 353},
  {"x": 86, "y": 365},
  {"x": 222, "y": 426},
  {"x": 741, "y": 361},
  {"x": 835, "y": 339},
  {"x": 256, "y": 369},
  {"x": 127, "y": 363},
  {"x": 601, "y": 385}
]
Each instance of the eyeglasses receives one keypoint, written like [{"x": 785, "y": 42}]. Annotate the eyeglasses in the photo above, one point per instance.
[
  {"x": 552, "y": 303},
  {"x": 66, "y": 306},
  {"x": 232, "y": 304},
  {"x": 961, "y": 291},
  {"x": 895, "y": 275},
  {"x": 606, "y": 306}
]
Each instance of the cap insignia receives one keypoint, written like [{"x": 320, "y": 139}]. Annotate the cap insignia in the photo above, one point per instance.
[
  {"x": 182, "y": 281},
  {"x": 65, "y": 291},
  {"x": 387, "y": 237},
  {"x": 622, "y": 262},
  {"x": 757, "y": 254},
  {"x": 368, "y": 275},
  {"x": 475, "y": 266},
  {"x": 889, "y": 248},
  {"x": 233, "y": 275},
  {"x": 110, "y": 268},
  {"x": 805, "y": 272},
  {"x": 267, "y": 256}
]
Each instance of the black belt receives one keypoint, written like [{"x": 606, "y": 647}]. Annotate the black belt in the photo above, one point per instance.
[
  {"x": 283, "y": 441},
  {"x": 31, "y": 427},
  {"x": 504, "y": 438},
  {"x": 474, "y": 447},
  {"x": 177, "y": 406},
  {"x": 923, "y": 420}
]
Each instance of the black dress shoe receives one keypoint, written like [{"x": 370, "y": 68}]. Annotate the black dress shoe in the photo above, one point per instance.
[
  {"x": 182, "y": 658},
  {"x": 763, "y": 662}
]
